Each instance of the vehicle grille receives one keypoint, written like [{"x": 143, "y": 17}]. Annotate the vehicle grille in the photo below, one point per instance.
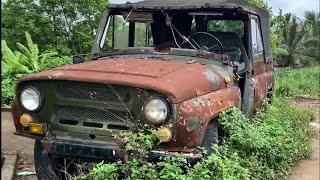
[
  {"x": 108, "y": 93},
  {"x": 93, "y": 114}
]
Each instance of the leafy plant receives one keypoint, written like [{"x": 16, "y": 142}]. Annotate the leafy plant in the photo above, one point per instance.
[
  {"x": 31, "y": 55},
  {"x": 11, "y": 62}
]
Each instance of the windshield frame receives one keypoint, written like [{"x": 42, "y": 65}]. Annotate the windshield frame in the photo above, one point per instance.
[{"x": 105, "y": 23}]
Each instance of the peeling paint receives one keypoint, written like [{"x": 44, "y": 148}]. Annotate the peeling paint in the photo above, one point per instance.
[
  {"x": 57, "y": 74},
  {"x": 211, "y": 77},
  {"x": 194, "y": 124}
]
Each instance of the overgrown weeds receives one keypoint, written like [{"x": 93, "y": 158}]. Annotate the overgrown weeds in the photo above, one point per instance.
[
  {"x": 298, "y": 82},
  {"x": 263, "y": 148}
]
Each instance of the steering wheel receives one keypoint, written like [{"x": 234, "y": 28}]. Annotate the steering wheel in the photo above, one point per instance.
[{"x": 204, "y": 41}]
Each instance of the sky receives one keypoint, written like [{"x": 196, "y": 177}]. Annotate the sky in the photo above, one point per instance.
[{"x": 298, "y": 7}]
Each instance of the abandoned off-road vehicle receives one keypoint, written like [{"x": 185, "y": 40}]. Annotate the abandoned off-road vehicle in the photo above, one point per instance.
[{"x": 174, "y": 64}]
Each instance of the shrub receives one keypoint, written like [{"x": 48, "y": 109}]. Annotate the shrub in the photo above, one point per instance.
[
  {"x": 54, "y": 62},
  {"x": 263, "y": 148},
  {"x": 7, "y": 90}
]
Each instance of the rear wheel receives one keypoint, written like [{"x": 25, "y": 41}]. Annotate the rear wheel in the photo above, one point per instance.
[
  {"x": 46, "y": 167},
  {"x": 211, "y": 136}
]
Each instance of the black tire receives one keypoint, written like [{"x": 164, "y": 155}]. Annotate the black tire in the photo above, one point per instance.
[
  {"x": 46, "y": 167},
  {"x": 211, "y": 136},
  {"x": 269, "y": 96}
]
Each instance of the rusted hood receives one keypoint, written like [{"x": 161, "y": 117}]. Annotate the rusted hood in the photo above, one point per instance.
[{"x": 177, "y": 80}]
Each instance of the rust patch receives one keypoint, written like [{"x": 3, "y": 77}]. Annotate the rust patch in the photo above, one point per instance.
[
  {"x": 194, "y": 124},
  {"x": 194, "y": 115}
]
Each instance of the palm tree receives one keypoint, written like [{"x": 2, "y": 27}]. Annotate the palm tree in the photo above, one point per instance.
[
  {"x": 313, "y": 20},
  {"x": 295, "y": 40},
  {"x": 312, "y": 42},
  {"x": 278, "y": 50}
]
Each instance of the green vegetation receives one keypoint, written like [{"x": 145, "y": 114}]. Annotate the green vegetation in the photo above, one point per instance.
[
  {"x": 298, "y": 82},
  {"x": 66, "y": 27},
  {"x": 264, "y": 148},
  {"x": 299, "y": 42},
  {"x": 24, "y": 62}
]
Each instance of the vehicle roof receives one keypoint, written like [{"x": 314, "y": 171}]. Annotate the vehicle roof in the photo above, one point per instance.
[{"x": 192, "y": 4}]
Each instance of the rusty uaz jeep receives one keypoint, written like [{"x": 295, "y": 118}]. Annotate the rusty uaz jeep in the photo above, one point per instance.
[{"x": 174, "y": 64}]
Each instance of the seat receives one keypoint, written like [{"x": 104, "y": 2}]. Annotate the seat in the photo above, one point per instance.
[{"x": 232, "y": 44}]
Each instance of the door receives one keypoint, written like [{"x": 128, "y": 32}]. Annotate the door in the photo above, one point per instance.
[{"x": 260, "y": 67}]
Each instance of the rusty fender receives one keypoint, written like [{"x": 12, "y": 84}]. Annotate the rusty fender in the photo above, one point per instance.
[
  {"x": 194, "y": 115},
  {"x": 15, "y": 111}
]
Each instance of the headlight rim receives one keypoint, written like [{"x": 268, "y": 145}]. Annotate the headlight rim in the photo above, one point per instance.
[
  {"x": 41, "y": 99},
  {"x": 166, "y": 102}
]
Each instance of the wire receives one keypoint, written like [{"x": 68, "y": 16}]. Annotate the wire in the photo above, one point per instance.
[
  {"x": 128, "y": 17},
  {"x": 174, "y": 37}
]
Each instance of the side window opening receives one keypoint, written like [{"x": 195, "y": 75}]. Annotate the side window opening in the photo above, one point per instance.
[
  {"x": 256, "y": 38},
  {"x": 118, "y": 34}
]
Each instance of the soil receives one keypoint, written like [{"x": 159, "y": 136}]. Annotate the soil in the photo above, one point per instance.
[
  {"x": 307, "y": 169},
  {"x": 11, "y": 143}
]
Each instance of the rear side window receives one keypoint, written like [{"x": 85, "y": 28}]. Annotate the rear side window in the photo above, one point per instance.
[{"x": 257, "y": 45}]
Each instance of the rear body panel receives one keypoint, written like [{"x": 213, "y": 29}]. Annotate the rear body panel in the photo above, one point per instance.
[{"x": 264, "y": 77}]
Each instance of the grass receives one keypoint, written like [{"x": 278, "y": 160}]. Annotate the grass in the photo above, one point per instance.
[{"x": 298, "y": 82}]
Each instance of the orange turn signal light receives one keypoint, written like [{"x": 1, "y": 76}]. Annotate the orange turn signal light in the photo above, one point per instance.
[
  {"x": 25, "y": 120},
  {"x": 227, "y": 80},
  {"x": 164, "y": 134},
  {"x": 36, "y": 128}
]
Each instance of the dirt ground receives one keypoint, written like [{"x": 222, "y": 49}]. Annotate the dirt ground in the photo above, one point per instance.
[
  {"x": 307, "y": 169},
  {"x": 11, "y": 143}
]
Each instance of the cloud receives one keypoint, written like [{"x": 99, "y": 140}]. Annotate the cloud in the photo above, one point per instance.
[{"x": 297, "y": 7}]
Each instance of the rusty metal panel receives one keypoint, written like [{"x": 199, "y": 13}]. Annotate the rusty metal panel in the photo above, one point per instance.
[
  {"x": 177, "y": 80},
  {"x": 194, "y": 115},
  {"x": 261, "y": 89},
  {"x": 16, "y": 114},
  {"x": 259, "y": 67}
]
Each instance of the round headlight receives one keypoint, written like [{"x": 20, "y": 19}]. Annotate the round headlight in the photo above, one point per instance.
[
  {"x": 30, "y": 99},
  {"x": 156, "y": 110}
]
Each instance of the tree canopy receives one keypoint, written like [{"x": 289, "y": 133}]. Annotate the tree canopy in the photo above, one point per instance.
[{"x": 64, "y": 26}]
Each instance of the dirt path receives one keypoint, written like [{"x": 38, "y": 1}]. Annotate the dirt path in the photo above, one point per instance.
[
  {"x": 11, "y": 143},
  {"x": 307, "y": 169}
]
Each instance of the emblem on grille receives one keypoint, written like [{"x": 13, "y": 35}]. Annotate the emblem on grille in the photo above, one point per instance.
[{"x": 93, "y": 95}]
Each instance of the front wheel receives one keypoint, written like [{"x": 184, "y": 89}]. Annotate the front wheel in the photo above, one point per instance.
[
  {"x": 211, "y": 136},
  {"x": 46, "y": 167}
]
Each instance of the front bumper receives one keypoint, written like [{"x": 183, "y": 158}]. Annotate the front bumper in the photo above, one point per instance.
[
  {"x": 92, "y": 150},
  {"x": 100, "y": 152}
]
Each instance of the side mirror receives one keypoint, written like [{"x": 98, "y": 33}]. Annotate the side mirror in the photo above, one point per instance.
[{"x": 77, "y": 59}]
